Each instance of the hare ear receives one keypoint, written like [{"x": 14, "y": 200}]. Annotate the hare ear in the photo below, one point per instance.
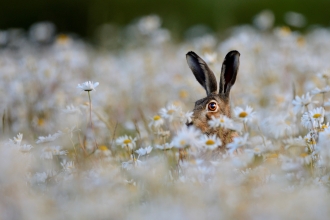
[
  {"x": 202, "y": 72},
  {"x": 229, "y": 72}
]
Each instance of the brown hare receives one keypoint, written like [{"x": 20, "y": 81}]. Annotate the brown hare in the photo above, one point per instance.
[{"x": 216, "y": 102}]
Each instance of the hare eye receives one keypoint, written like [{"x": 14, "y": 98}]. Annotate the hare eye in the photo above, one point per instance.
[{"x": 212, "y": 106}]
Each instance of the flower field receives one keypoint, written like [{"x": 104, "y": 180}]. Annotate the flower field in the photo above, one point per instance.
[{"x": 90, "y": 132}]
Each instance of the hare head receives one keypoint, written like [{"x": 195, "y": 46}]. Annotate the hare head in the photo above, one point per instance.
[{"x": 216, "y": 102}]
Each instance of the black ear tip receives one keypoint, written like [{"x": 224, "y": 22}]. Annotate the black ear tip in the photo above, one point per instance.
[
  {"x": 233, "y": 53},
  {"x": 191, "y": 53}
]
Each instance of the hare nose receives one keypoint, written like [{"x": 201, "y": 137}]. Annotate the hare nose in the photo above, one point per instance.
[{"x": 189, "y": 124}]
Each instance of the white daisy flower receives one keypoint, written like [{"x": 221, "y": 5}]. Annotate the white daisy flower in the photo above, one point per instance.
[
  {"x": 49, "y": 152},
  {"x": 68, "y": 166},
  {"x": 187, "y": 117},
  {"x": 277, "y": 126},
  {"x": 260, "y": 145},
  {"x": 70, "y": 109},
  {"x": 327, "y": 103},
  {"x": 294, "y": 142},
  {"x": 299, "y": 103},
  {"x": 17, "y": 140},
  {"x": 324, "y": 138},
  {"x": 319, "y": 91},
  {"x": 305, "y": 158},
  {"x": 126, "y": 141},
  {"x": 318, "y": 115},
  {"x": 210, "y": 57},
  {"x": 133, "y": 162},
  {"x": 144, "y": 151},
  {"x": 25, "y": 148},
  {"x": 244, "y": 114},
  {"x": 313, "y": 118},
  {"x": 310, "y": 138},
  {"x": 210, "y": 142},
  {"x": 170, "y": 112},
  {"x": 222, "y": 121},
  {"x": 88, "y": 86},
  {"x": 156, "y": 122},
  {"x": 103, "y": 151},
  {"x": 165, "y": 146},
  {"x": 49, "y": 138},
  {"x": 237, "y": 143},
  {"x": 187, "y": 136}
]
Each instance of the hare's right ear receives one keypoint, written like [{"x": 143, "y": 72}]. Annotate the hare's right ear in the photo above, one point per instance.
[
  {"x": 202, "y": 72},
  {"x": 229, "y": 72}
]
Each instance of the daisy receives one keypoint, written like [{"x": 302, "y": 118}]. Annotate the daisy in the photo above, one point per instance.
[
  {"x": 210, "y": 57},
  {"x": 277, "y": 126},
  {"x": 170, "y": 112},
  {"x": 244, "y": 114},
  {"x": 210, "y": 142},
  {"x": 133, "y": 162},
  {"x": 305, "y": 158},
  {"x": 222, "y": 121},
  {"x": 70, "y": 109},
  {"x": 310, "y": 138},
  {"x": 318, "y": 115},
  {"x": 294, "y": 142},
  {"x": 88, "y": 86},
  {"x": 103, "y": 151},
  {"x": 313, "y": 118},
  {"x": 68, "y": 166},
  {"x": 187, "y": 136},
  {"x": 299, "y": 103},
  {"x": 324, "y": 138},
  {"x": 165, "y": 146},
  {"x": 156, "y": 122},
  {"x": 17, "y": 140},
  {"x": 237, "y": 143},
  {"x": 49, "y": 138},
  {"x": 144, "y": 151},
  {"x": 126, "y": 141},
  {"x": 25, "y": 148},
  {"x": 49, "y": 152},
  {"x": 187, "y": 117},
  {"x": 320, "y": 91}
]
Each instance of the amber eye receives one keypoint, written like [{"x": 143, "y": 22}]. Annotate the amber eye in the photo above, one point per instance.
[{"x": 212, "y": 106}]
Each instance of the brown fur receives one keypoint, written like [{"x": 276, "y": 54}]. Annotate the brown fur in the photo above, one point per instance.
[{"x": 204, "y": 75}]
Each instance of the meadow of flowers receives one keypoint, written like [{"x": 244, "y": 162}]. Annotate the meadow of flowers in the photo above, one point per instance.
[{"x": 95, "y": 133}]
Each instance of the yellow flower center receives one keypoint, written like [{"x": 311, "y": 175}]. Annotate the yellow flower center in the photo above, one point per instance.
[
  {"x": 285, "y": 31},
  {"x": 242, "y": 114},
  {"x": 157, "y": 117},
  {"x": 127, "y": 141},
  {"x": 324, "y": 126},
  {"x": 274, "y": 155},
  {"x": 182, "y": 142},
  {"x": 103, "y": 148},
  {"x": 256, "y": 149},
  {"x": 41, "y": 121},
  {"x": 62, "y": 39},
  {"x": 209, "y": 142},
  {"x": 183, "y": 94},
  {"x": 317, "y": 115},
  {"x": 222, "y": 120},
  {"x": 303, "y": 155},
  {"x": 170, "y": 112}
]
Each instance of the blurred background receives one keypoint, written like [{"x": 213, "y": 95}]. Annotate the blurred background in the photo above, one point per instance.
[{"x": 83, "y": 17}]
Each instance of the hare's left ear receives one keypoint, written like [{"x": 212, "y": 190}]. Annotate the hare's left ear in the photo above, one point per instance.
[
  {"x": 202, "y": 72},
  {"x": 229, "y": 72}
]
